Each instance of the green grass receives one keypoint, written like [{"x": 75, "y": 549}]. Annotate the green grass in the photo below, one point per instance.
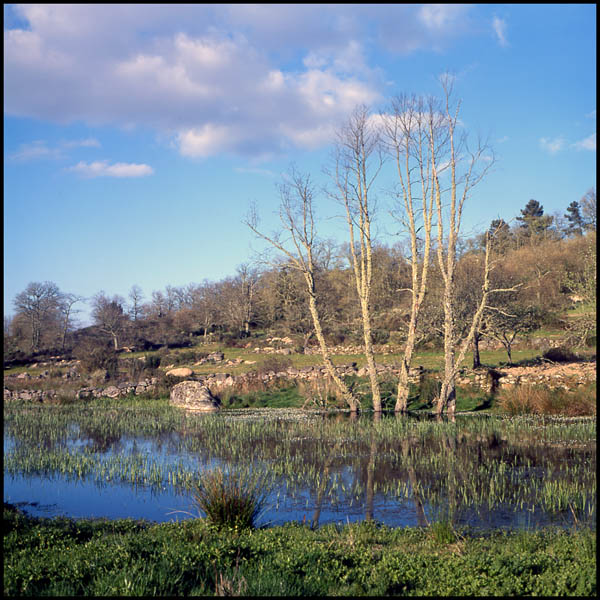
[{"x": 119, "y": 558}]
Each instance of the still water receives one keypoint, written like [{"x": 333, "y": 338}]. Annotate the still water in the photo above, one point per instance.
[{"x": 317, "y": 471}]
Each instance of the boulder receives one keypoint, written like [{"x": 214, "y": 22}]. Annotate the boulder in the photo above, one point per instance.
[
  {"x": 181, "y": 372},
  {"x": 194, "y": 396}
]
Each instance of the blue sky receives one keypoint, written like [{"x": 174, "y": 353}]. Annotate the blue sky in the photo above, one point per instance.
[{"x": 136, "y": 136}]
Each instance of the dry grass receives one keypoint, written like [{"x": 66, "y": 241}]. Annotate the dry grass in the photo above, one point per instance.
[{"x": 540, "y": 400}]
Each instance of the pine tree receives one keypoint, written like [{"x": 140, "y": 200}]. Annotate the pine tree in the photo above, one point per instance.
[
  {"x": 534, "y": 222},
  {"x": 576, "y": 224}
]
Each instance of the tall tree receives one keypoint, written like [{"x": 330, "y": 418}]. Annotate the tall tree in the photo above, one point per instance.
[
  {"x": 588, "y": 209},
  {"x": 296, "y": 213},
  {"x": 534, "y": 223},
  {"x": 38, "y": 304},
  {"x": 414, "y": 137},
  {"x": 65, "y": 307},
  {"x": 109, "y": 315},
  {"x": 501, "y": 236},
  {"x": 358, "y": 160},
  {"x": 465, "y": 168},
  {"x": 136, "y": 296},
  {"x": 575, "y": 224}
]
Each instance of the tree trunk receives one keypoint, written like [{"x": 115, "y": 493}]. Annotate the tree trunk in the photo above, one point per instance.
[
  {"x": 342, "y": 387},
  {"x": 371, "y": 361},
  {"x": 403, "y": 388},
  {"x": 476, "y": 358}
]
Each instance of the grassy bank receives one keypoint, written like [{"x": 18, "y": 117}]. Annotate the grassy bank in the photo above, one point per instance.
[{"x": 66, "y": 557}]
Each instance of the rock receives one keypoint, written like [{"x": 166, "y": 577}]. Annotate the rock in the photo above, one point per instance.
[
  {"x": 216, "y": 356},
  {"x": 112, "y": 391},
  {"x": 181, "y": 372},
  {"x": 194, "y": 396}
]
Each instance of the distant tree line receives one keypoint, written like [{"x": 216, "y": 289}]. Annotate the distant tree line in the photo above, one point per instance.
[{"x": 551, "y": 264}]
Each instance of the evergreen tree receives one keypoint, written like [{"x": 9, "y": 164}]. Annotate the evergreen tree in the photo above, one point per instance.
[
  {"x": 575, "y": 220},
  {"x": 501, "y": 236},
  {"x": 534, "y": 223}
]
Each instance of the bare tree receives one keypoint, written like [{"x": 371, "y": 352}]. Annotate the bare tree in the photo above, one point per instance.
[
  {"x": 38, "y": 305},
  {"x": 465, "y": 168},
  {"x": 66, "y": 303},
  {"x": 109, "y": 316},
  {"x": 297, "y": 219},
  {"x": 248, "y": 277},
  {"x": 588, "y": 209},
  {"x": 414, "y": 136},
  {"x": 358, "y": 161},
  {"x": 136, "y": 296}
]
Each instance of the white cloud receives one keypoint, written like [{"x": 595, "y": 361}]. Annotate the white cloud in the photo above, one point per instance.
[
  {"x": 552, "y": 145},
  {"x": 39, "y": 149},
  {"x": 104, "y": 169},
  {"x": 589, "y": 143},
  {"x": 499, "y": 26},
  {"x": 211, "y": 77},
  {"x": 35, "y": 150}
]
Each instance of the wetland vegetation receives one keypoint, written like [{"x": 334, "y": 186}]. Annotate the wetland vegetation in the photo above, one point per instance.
[{"x": 480, "y": 505}]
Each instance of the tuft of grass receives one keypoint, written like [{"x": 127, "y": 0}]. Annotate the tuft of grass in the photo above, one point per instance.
[
  {"x": 443, "y": 533},
  {"x": 232, "y": 499}
]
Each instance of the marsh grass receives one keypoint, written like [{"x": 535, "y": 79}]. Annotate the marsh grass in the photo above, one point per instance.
[
  {"x": 231, "y": 498},
  {"x": 541, "y": 400},
  {"x": 547, "y": 462}
]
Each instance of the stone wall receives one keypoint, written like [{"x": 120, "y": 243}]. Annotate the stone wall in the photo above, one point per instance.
[{"x": 566, "y": 376}]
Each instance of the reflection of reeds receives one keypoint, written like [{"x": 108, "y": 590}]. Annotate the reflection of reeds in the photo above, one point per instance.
[{"x": 523, "y": 462}]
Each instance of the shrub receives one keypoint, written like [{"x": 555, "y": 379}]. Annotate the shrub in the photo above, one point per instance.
[
  {"x": 230, "y": 499},
  {"x": 151, "y": 362},
  {"x": 320, "y": 393},
  {"x": 429, "y": 389},
  {"x": 540, "y": 400},
  {"x": 276, "y": 364},
  {"x": 94, "y": 355},
  {"x": 560, "y": 355},
  {"x": 380, "y": 336},
  {"x": 134, "y": 368}
]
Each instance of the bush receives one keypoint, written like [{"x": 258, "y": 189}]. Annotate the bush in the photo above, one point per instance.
[
  {"x": 380, "y": 336},
  {"x": 276, "y": 364},
  {"x": 540, "y": 400},
  {"x": 152, "y": 362},
  {"x": 560, "y": 355},
  {"x": 429, "y": 389},
  {"x": 95, "y": 355},
  {"x": 230, "y": 499}
]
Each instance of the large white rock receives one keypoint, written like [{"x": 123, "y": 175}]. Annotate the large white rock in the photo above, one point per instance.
[
  {"x": 194, "y": 396},
  {"x": 180, "y": 372}
]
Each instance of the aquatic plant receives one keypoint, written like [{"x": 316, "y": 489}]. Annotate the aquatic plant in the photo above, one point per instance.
[{"x": 231, "y": 498}]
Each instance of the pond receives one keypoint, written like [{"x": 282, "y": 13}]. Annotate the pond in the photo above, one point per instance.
[{"x": 140, "y": 461}]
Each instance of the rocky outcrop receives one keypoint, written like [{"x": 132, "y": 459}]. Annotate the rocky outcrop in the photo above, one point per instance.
[{"x": 194, "y": 396}]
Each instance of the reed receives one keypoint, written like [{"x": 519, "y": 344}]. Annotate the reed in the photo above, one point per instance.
[
  {"x": 488, "y": 463},
  {"x": 231, "y": 498}
]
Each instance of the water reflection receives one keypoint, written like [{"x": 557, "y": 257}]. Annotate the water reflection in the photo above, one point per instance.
[{"x": 392, "y": 468}]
